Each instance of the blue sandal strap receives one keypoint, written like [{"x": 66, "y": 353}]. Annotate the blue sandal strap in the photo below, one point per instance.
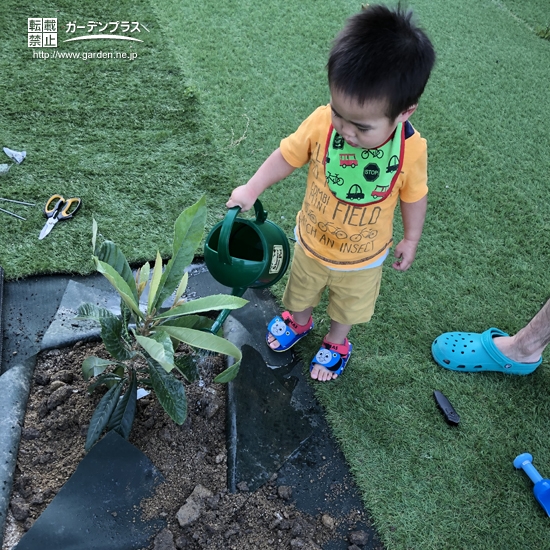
[
  {"x": 279, "y": 329},
  {"x": 329, "y": 358}
]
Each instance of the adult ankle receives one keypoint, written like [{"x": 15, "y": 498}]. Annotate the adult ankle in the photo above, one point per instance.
[{"x": 508, "y": 346}]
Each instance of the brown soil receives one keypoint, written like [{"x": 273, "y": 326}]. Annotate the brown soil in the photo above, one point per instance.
[{"x": 193, "y": 454}]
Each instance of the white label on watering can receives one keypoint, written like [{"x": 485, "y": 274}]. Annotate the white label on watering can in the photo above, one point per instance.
[{"x": 276, "y": 259}]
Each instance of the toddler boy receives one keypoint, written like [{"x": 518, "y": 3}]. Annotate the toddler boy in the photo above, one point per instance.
[{"x": 363, "y": 155}]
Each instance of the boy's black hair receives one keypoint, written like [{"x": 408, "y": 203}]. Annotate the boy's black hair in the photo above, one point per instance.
[{"x": 381, "y": 55}]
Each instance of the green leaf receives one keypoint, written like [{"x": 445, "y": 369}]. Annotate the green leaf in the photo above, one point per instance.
[
  {"x": 144, "y": 273},
  {"x": 204, "y": 340},
  {"x": 198, "y": 322},
  {"x": 126, "y": 293},
  {"x": 209, "y": 303},
  {"x": 111, "y": 254},
  {"x": 155, "y": 280},
  {"x": 94, "y": 366},
  {"x": 182, "y": 287},
  {"x": 143, "y": 278},
  {"x": 109, "y": 379},
  {"x": 159, "y": 347},
  {"x": 188, "y": 232},
  {"x": 126, "y": 317},
  {"x": 228, "y": 374},
  {"x": 187, "y": 366},
  {"x": 123, "y": 416},
  {"x": 94, "y": 236},
  {"x": 119, "y": 371},
  {"x": 102, "y": 413},
  {"x": 93, "y": 312},
  {"x": 146, "y": 382},
  {"x": 111, "y": 334},
  {"x": 203, "y": 323},
  {"x": 169, "y": 391}
]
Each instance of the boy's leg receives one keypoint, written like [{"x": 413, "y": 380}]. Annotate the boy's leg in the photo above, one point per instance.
[
  {"x": 337, "y": 335},
  {"x": 352, "y": 299},
  {"x": 303, "y": 291},
  {"x": 301, "y": 319}
]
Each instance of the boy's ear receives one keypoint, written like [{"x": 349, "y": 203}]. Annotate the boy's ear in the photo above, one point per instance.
[{"x": 404, "y": 116}]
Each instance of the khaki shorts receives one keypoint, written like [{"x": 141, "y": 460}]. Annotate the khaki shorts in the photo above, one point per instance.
[{"x": 352, "y": 294}]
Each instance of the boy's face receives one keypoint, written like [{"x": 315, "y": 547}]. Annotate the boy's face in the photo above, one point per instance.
[{"x": 365, "y": 126}]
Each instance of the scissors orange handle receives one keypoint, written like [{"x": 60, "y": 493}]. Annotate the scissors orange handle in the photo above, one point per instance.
[
  {"x": 74, "y": 203},
  {"x": 61, "y": 208},
  {"x": 52, "y": 205}
]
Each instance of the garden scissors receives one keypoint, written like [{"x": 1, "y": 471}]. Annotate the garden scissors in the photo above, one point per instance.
[{"x": 58, "y": 208}]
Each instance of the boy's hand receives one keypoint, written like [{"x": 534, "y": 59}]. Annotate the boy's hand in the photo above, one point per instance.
[
  {"x": 242, "y": 196},
  {"x": 413, "y": 214},
  {"x": 274, "y": 169},
  {"x": 405, "y": 252}
]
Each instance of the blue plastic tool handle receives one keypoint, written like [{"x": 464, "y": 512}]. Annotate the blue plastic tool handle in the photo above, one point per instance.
[{"x": 525, "y": 462}]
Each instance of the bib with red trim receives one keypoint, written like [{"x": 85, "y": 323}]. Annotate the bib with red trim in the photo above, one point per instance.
[{"x": 363, "y": 176}]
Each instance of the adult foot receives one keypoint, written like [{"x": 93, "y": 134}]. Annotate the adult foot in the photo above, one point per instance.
[
  {"x": 508, "y": 347},
  {"x": 492, "y": 350}
]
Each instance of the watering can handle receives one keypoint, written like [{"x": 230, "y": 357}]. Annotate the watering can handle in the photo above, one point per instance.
[{"x": 225, "y": 233}]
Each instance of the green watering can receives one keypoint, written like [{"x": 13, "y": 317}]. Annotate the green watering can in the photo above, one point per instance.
[{"x": 243, "y": 253}]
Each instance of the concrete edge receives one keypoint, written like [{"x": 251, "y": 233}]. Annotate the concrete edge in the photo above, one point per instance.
[
  {"x": 1, "y": 311},
  {"x": 15, "y": 387},
  {"x": 235, "y": 333},
  {"x": 70, "y": 340}
]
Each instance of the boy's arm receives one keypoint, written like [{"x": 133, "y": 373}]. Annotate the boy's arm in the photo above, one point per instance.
[
  {"x": 413, "y": 215},
  {"x": 273, "y": 170}
]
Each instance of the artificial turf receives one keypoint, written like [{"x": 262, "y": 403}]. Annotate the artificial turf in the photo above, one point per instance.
[
  {"x": 215, "y": 89},
  {"x": 121, "y": 134}
]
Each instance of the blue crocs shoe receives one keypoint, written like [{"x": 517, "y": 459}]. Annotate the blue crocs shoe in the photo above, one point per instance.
[{"x": 473, "y": 352}]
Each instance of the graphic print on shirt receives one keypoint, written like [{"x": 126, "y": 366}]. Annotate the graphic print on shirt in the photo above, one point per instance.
[
  {"x": 343, "y": 233},
  {"x": 332, "y": 224},
  {"x": 336, "y": 227},
  {"x": 339, "y": 219},
  {"x": 362, "y": 176}
]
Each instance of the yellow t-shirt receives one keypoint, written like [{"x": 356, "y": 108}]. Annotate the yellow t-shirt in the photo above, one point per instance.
[{"x": 341, "y": 235}]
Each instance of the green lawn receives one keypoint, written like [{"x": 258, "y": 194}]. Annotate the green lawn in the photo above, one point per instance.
[
  {"x": 214, "y": 89},
  {"x": 534, "y": 14},
  {"x": 122, "y": 135}
]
